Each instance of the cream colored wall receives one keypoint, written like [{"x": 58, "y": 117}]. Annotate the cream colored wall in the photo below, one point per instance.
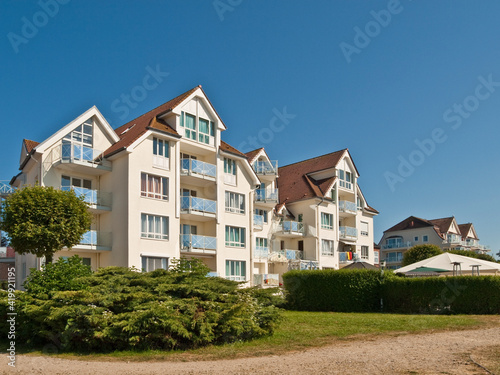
[{"x": 365, "y": 240}]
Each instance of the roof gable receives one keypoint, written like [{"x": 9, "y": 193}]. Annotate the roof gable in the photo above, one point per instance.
[
  {"x": 446, "y": 225},
  {"x": 468, "y": 231},
  {"x": 411, "y": 222}
]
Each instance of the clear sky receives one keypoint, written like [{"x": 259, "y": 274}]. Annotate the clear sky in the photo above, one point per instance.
[{"x": 412, "y": 88}]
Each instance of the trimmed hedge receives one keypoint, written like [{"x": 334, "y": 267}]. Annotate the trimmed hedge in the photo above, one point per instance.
[
  {"x": 333, "y": 290},
  {"x": 362, "y": 291}
]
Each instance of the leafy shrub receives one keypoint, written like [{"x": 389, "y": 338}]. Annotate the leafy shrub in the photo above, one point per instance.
[
  {"x": 420, "y": 252},
  {"x": 333, "y": 290},
  {"x": 122, "y": 309}
]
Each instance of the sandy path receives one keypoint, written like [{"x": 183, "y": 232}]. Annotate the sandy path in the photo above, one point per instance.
[{"x": 429, "y": 353}]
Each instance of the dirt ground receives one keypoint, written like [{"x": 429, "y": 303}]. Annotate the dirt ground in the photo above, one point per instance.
[{"x": 428, "y": 353}]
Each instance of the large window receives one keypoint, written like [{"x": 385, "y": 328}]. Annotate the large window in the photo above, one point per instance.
[
  {"x": 161, "y": 153},
  {"x": 262, "y": 213},
  {"x": 235, "y": 236},
  {"x": 153, "y": 263},
  {"x": 364, "y": 252},
  {"x": 154, "y": 226},
  {"x": 154, "y": 186},
  {"x": 203, "y": 133},
  {"x": 327, "y": 247},
  {"x": 261, "y": 242},
  {"x": 364, "y": 228},
  {"x": 235, "y": 202},
  {"x": 236, "y": 270},
  {"x": 229, "y": 171},
  {"x": 346, "y": 179},
  {"x": 78, "y": 143},
  {"x": 326, "y": 221},
  {"x": 206, "y": 129}
]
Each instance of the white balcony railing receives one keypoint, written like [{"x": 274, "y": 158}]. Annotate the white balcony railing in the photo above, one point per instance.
[
  {"x": 194, "y": 241},
  {"x": 96, "y": 238},
  {"x": 266, "y": 167},
  {"x": 258, "y": 221},
  {"x": 5, "y": 188},
  {"x": 92, "y": 197},
  {"x": 290, "y": 227},
  {"x": 69, "y": 152},
  {"x": 261, "y": 252},
  {"x": 397, "y": 245},
  {"x": 266, "y": 279},
  {"x": 346, "y": 206},
  {"x": 266, "y": 195},
  {"x": 347, "y": 256},
  {"x": 289, "y": 254},
  {"x": 189, "y": 204},
  {"x": 197, "y": 167},
  {"x": 348, "y": 232}
]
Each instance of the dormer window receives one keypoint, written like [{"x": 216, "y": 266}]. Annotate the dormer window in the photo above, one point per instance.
[
  {"x": 346, "y": 179},
  {"x": 198, "y": 129},
  {"x": 161, "y": 153},
  {"x": 77, "y": 145},
  {"x": 229, "y": 171}
]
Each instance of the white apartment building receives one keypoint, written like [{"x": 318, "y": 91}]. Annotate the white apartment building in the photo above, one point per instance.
[
  {"x": 165, "y": 185},
  {"x": 445, "y": 233}
]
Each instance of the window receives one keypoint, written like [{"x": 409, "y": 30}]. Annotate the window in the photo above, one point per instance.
[
  {"x": 69, "y": 182},
  {"x": 153, "y": 226},
  {"x": 300, "y": 217},
  {"x": 364, "y": 252},
  {"x": 188, "y": 193},
  {"x": 78, "y": 143},
  {"x": 236, "y": 270},
  {"x": 160, "y": 153},
  {"x": 326, "y": 221},
  {"x": 333, "y": 194},
  {"x": 85, "y": 261},
  {"x": 235, "y": 203},
  {"x": 262, "y": 213},
  {"x": 229, "y": 171},
  {"x": 376, "y": 259},
  {"x": 425, "y": 238},
  {"x": 190, "y": 126},
  {"x": 364, "y": 228},
  {"x": 327, "y": 247},
  {"x": 206, "y": 128},
  {"x": 153, "y": 263},
  {"x": 345, "y": 179},
  {"x": 360, "y": 203},
  {"x": 235, "y": 237},
  {"x": 154, "y": 186},
  {"x": 416, "y": 238},
  {"x": 261, "y": 242}
]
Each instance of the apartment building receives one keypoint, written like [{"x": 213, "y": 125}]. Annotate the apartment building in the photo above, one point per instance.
[
  {"x": 166, "y": 185},
  {"x": 412, "y": 231}
]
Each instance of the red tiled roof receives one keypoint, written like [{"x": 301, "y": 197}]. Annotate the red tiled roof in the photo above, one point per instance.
[
  {"x": 228, "y": 148},
  {"x": 294, "y": 184},
  {"x": 30, "y": 145},
  {"x": 141, "y": 124},
  {"x": 369, "y": 208},
  {"x": 252, "y": 154}
]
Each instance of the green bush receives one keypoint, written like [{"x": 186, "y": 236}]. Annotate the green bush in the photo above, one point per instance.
[
  {"x": 122, "y": 309},
  {"x": 420, "y": 252},
  {"x": 333, "y": 290}
]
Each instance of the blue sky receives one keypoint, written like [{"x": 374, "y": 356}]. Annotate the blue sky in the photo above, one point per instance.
[{"x": 377, "y": 77}]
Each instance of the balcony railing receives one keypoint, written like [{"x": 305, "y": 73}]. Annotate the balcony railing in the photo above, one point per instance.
[
  {"x": 289, "y": 226},
  {"x": 96, "y": 238},
  {"x": 397, "y": 245},
  {"x": 454, "y": 239},
  {"x": 266, "y": 167},
  {"x": 190, "y": 204},
  {"x": 346, "y": 206},
  {"x": 289, "y": 254},
  {"x": 76, "y": 153},
  {"x": 258, "y": 221},
  {"x": 261, "y": 252},
  {"x": 347, "y": 256},
  {"x": 5, "y": 188},
  {"x": 266, "y": 279},
  {"x": 92, "y": 197},
  {"x": 197, "y": 167},
  {"x": 194, "y": 241},
  {"x": 394, "y": 257},
  {"x": 266, "y": 195},
  {"x": 348, "y": 232}
]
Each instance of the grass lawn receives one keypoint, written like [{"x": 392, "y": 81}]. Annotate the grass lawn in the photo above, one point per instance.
[{"x": 302, "y": 330}]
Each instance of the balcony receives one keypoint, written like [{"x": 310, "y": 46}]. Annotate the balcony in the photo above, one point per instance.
[
  {"x": 198, "y": 208},
  {"x": 95, "y": 240},
  {"x": 348, "y": 207},
  {"x": 397, "y": 245},
  {"x": 266, "y": 168},
  {"x": 197, "y": 172},
  {"x": 348, "y": 233},
  {"x": 5, "y": 189},
  {"x": 454, "y": 239},
  {"x": 266, "y": 279},
  {"x": 347, "y": 257},
  {"x": 394, "y": 257},
  {"x": 267, "y": 197},
  {"x": 97, "y": 200},
  {"x": 290, "y": 228},
  {"x": 285, "y": 255},
  {"x": 194, "y": 243},
  {"x": 261, "y": 252},
  {"x": 258, "y": 222},
  {"x": 77, "y": 158}
]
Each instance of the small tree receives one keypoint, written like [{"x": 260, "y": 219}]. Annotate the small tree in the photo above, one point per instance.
[
  {"x": 420, "y": 252},
  {"x": 42, "y": 220}
]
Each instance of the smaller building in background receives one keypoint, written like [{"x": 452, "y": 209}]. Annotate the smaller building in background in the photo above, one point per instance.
[{"x": 444, "y": 232}]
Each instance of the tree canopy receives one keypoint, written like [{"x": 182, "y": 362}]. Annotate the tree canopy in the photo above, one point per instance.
[
  {"x": 42, "y": 220},
  {"x": 420, "y": 252}
]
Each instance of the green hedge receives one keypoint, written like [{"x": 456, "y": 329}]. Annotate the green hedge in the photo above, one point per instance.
[
  {"x": 333, "y": 290},
  {"x": 363, "y": 290},
  {"x": 441, "y": 295}
]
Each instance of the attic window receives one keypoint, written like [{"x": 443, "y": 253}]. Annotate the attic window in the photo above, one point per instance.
[{"x": 126, "y": 130}]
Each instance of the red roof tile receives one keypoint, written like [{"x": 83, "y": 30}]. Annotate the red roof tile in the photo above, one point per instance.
[
  {"x": 30, "y": 145},
  {"x": 252, "y": 154},
  {"x": 443, "y": 224},
  {"x": 228, "y": 148}
]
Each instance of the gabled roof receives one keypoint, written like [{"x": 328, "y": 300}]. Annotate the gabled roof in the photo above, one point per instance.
[
  {"x": 467, "y": 228},
  {"x": 294, "y": 183},
  {"x": 228, "y": 148},
  {"x": 29, "y": 146},
  {"x": 133, "y": 130},
  {"x": 443, "y": 224},
  {"x": 411, "y": 222},
  {"x": 251, "y": 155}
]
